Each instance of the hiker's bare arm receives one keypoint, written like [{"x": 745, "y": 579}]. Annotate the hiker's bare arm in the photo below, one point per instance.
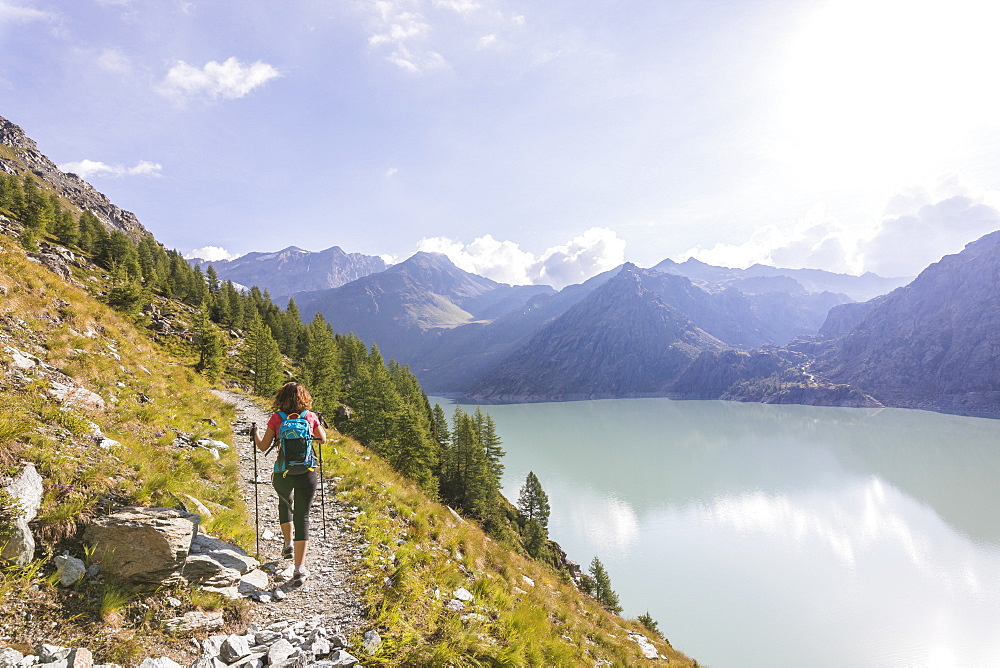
[
  {"x": 265, "y": 442},
  {"x": 319, "y": 433}
]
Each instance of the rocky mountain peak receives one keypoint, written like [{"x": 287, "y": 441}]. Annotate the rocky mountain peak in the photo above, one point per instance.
[{"x": 26, "y": 158}]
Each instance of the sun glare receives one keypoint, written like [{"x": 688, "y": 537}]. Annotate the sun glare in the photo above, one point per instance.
[{"x": 888, "y": 87}]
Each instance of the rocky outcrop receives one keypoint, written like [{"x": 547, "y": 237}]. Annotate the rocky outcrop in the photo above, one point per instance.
[
  {"x": 144, "y": 547},
  {"x": 27, "y": 157},
  {"x": 17, "y": 543}
]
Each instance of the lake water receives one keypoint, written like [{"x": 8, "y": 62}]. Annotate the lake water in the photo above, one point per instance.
[{"x": 778, "y": 535}]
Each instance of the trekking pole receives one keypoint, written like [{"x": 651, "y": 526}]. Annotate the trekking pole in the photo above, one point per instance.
[
  {"x": 256, "y": 502},
  {"x": 322, "y": 479}
]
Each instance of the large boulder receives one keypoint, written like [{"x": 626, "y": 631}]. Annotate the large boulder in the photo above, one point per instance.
[
  {"x": 144, "y": 547},
  {"x": 19, "y": 546}
]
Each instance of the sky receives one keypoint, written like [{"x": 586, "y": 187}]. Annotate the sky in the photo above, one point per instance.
[{"x": 533, "y": 142}]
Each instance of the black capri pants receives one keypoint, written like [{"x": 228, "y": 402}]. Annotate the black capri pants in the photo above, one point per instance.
[{"x": 295, "y": 495}]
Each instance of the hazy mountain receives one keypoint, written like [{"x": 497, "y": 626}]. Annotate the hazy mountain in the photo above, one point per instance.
[
  {"x": 295, "y": 270},
  {"x": 397, "y": 307},
  {"x": 933, "y": 343},
  {"x": 19, "y": 153},
  {"x": 761, "y": 278},
  {"x": 622, "y": 339},
  {"x": 453, "y": 360},
  {"x": 584, "y": 345}
]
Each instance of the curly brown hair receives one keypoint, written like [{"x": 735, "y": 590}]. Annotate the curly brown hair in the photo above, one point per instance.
[{"x": 292, "y": 398}]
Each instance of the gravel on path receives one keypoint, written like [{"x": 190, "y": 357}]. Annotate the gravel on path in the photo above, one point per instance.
[{"x": 330, "y": 590}]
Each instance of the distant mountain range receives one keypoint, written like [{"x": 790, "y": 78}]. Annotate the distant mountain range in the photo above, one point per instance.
[
  {"x": 293, "y": 270},
  {"x": 683, "y": 330},
  {"x": 687, "y": 329}
]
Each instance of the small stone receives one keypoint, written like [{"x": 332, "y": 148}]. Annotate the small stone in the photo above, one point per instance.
[
  {"x": 266, "y": 637},
  {"x": 279, "y": 595},
  {"x": 52, "y": 653},
  {"x": 234, "y": 648},
  {"x": 455, "y": 604},
  {"x": 342, "y": 658},
  {"x": 279, "y": 651},
  {"x": 70, "y": 569},
  {"x": 372, "y": 641},
  {"x": 463, "y": 594},
  {"x": 161, "y": 662},
  {"x": 9, "y": 657},
  {"x": 174, "y": 602}
]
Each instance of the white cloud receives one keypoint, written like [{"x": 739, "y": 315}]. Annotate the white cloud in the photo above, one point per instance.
[
  {"x": 417, "y": 33},
  {"x": 596, "y": 250},
  {"x": 210, "y": 254},
  {"x": 919, "y": 225},
  {"x": 21, "y": 14},
  {"x": 230, "y": 79},
  {"x": 392, "y": 171},
  {"x": 114, "y": 60},
  {"x": 905, "y": 244},
  {"x": 460, "y": 6},
  {"x": 87, "y": 168}
]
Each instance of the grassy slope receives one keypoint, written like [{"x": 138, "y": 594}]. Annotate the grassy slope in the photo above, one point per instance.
[{"x": 418, "y": 552}]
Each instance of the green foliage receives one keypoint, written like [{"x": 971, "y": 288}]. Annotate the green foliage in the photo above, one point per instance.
[
  {"x": 10, "y": 510},
  {"x": 211, "y": 350},
  {"x": 650, "y": 623},
  {"x": 602, "y": 590},
  {"x": 533, "y": 502},
  {"x": 262, "y": 358}
]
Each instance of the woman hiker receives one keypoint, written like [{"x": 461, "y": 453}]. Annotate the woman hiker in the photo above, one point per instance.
[{"x": 295, "y": 490}]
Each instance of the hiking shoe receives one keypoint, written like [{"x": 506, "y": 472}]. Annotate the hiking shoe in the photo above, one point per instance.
[
  {"x": 299, "y": 577},
  {"x": 286, "y": 552}
]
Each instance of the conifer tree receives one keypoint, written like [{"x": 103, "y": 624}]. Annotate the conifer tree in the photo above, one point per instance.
[
  {"x": 487, "y": 431},
  {"x": 211, "y": 350},
  {"x": 262, "y": 358},
  {"x": 320, "y": 366},
  {"x": 533, "y": 502},
  {"x": 440, "y": 422},
  {"x": 603, "y": 592},
  {"x": 66, "y": 229}
]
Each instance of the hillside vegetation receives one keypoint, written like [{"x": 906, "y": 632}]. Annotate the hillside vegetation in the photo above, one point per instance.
[{"x": 109, "y": 403}]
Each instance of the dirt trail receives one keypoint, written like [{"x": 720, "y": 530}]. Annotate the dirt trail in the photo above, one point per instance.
[{"x": 330, "y": 590}]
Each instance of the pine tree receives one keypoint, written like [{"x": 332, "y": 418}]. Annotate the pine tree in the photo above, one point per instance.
[
  {"x": 320, "y": 366},
  {"x": 536, "y": 539},
  {"x": 211, "y": 350},
  {"x": 263, "y": 359},
  {"x": 66, "y": 229},
  {"x": 603, "y": 592},
  {"x": 487, "y": 431},
  {"x": 533, "y": 502},
  {"x": 441, "y": 433}
]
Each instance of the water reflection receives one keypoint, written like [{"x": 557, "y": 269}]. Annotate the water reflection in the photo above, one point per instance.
[
  {"x": 779, "y": 535},
  {"x": 655, "y": 451}
]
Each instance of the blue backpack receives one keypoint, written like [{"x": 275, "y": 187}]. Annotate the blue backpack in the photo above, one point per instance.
[{"x": 295, "y": 451}]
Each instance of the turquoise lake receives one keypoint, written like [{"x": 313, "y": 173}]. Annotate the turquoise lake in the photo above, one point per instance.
[{"x": 764, "y": 535}]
